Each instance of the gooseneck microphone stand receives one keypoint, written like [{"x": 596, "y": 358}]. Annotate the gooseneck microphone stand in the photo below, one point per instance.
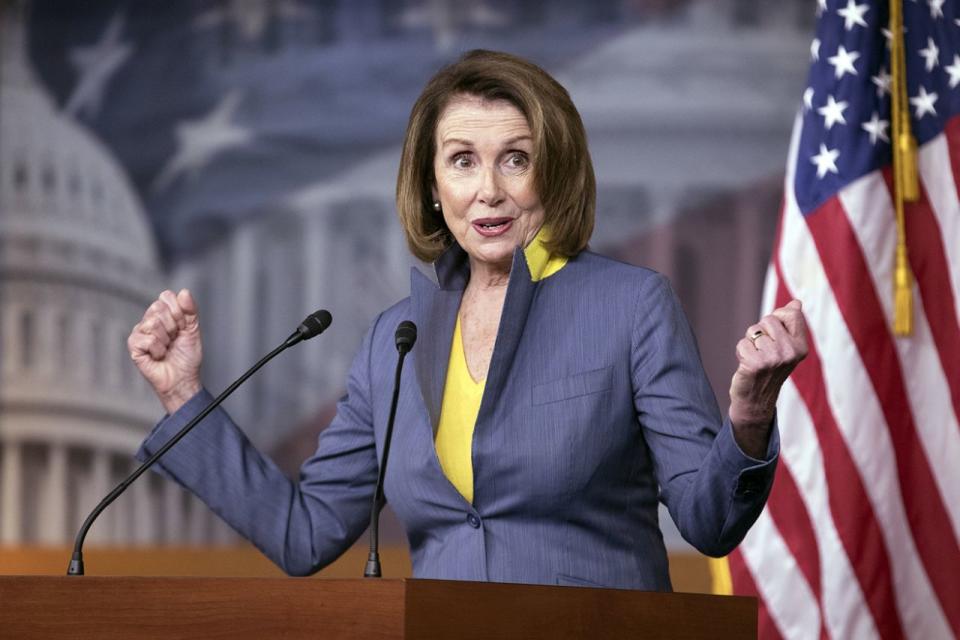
[
  {"x": 312, "y": 326},
  {"x": 405, "y": 337}
]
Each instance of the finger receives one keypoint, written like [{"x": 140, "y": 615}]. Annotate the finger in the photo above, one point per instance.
[
  {"x": 791, "y": 315},
  {"x": 189, "y": 306},
  {"x": 161, "y": 312},
  {"x": 154, "y": 328},
  {"x": 752, "y": 331},
  {"x": 142, "y": 344},
  {"x": 747, "y": 354},
  {"x": 755, "y": 334},
  {"x": 169, "y": 300},
  {"x": 773, "y": 328}
]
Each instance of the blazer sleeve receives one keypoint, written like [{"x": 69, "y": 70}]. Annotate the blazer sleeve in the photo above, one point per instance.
[
  {"x": 301, "y": 526},
  {"x": 713, "y": 490}
]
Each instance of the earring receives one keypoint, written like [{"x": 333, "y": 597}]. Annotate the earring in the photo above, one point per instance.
[{"x": 436, "y": 206}]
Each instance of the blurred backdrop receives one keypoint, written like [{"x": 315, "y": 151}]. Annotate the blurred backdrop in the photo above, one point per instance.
[{"x": 248, "y": 150}]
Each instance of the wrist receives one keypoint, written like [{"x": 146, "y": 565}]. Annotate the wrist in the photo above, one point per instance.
[{"x": 179, "y": 395}]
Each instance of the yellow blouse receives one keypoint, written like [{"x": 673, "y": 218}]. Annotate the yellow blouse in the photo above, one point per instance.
[{"x": 462, "y": 394}]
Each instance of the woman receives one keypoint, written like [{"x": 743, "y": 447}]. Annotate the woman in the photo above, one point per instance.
[{"x": 557, "y": 395}]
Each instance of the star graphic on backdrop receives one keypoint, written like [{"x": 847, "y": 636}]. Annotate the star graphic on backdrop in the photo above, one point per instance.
[
  {"x": 821, "y": 7},
  {"x": 447, "y": 19},
  {"x": 936, "y": 8},
  {"x": 826, "y": 161},
  {"x": 832, "y": 112},
  {"x": 877, "y": 128},
  {"x": 843, "y": 62},
  {"x": 808, "y": 99},
  {"x": 95, "y": 65},
  {"x": 924, "y": 101},
  {"x": 954, "y": 71},
  {"x": 251, "y": 17},
  {"x": 882, "y": 80},
  {"x": 198, "y": 141},
  {"x": 931, "y": 54},
  {"x": 852, "y": 14},
  {"x": 815, "y": 49}
]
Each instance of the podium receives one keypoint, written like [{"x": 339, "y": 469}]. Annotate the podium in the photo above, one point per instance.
[{"x": 141, "y": 607}]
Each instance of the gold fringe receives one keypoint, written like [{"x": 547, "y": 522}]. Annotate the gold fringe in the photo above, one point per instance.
[
  {"x": 721, "y": 583},
  {"x": 905, "y": 178}
]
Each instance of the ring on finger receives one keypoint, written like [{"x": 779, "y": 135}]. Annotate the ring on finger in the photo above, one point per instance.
[{"x": 755, "y": 336}]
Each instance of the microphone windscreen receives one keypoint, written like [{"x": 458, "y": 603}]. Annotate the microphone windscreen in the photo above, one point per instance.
[
  {"x": 406, "y": 335},
  {"x": 315, "y": 324}
]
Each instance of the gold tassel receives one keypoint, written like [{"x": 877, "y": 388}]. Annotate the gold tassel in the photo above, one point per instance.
[{"x": 906, "y": 185}]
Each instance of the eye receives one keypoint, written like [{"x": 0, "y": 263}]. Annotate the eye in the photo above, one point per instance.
[
  {"x": 462, "y": 161},
  {"x": 518, "y": 160}
]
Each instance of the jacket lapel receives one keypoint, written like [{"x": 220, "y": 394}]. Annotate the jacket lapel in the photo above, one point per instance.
[
  {"x": 435, "y": 306},
  {"x": 516, "y": 306}
]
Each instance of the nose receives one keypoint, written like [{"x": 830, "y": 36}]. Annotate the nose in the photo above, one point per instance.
[{"x": 490, "y": 191}]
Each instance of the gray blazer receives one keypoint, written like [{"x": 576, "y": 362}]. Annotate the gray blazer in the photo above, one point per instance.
[{"x": 596, "y": 406}]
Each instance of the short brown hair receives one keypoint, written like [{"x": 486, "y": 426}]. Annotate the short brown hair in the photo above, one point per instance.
[{"x": 563, "y": 172}]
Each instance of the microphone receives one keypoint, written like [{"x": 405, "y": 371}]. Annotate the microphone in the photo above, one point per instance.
[
  {"x": 312, "y": 326},
  {"x": 405, "y": 336}
]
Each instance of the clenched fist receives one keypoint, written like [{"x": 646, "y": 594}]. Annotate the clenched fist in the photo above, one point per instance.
[
  {"x": 165, "y": 345},
  {"x": 768, "y": 353}
]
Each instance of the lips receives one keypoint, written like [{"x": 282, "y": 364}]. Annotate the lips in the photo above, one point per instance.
[{"x": 492, "y": 227}]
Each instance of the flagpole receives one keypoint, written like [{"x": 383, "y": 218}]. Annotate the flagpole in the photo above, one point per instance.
[{"x": 905, "y": 182}]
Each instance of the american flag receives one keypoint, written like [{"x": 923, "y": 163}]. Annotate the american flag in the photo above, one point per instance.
[{"x": 861, "y": 535}]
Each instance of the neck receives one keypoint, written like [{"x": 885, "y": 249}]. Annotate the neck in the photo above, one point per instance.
[{"x": 484, "y": 276}]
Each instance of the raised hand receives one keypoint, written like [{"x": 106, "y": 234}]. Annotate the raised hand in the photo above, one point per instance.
[
  {"x": 768, "y": 353},
  {"x": 165, "y": 345}
]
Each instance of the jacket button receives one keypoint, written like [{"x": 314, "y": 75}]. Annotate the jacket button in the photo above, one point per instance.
[{"x": 473, "y": 520}]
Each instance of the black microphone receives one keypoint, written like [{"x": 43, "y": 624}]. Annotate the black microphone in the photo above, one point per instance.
[
  {"x": 405, "y": 336},
  {"x": 312, "y": 326}
]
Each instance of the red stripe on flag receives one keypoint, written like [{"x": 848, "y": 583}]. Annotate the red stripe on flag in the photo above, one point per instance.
[
  {"x": 850, "y": 280},
  {"x": 790, "y": 514},
  {"x": 930, "y": 267},
  {"x": 743, "y": 584},
  {"x": 853, "y": 516}
]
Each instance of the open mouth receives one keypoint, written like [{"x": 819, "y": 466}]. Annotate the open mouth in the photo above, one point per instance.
[{"x": 492, "y": 226}]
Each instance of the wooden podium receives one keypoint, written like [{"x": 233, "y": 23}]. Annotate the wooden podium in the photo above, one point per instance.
[{"x": 104, "y": 608}]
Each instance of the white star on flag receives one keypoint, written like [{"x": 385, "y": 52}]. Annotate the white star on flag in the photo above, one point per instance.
[
  {"x": 954, "y": 71},
  {"x": 853, "y": 14},
  {"x": 936, "y": 8},
  {"x": 815, "y": 49},
  {"x": 198, "y": 141},
  {"x": 931, "y": 54},
  {"x": 882, "y": 80},
  {"x": 808, "y": 99},
  {"x": 843, "y": 62},
  {"x": 877, "y": 128},
  {"x": 826, "y": 161},
  {"x": 923, "y": 101},
  {"x": 821, "y": 7},
  {"x": 832, "y": 112},
  {"x": 95, "y": 65}
]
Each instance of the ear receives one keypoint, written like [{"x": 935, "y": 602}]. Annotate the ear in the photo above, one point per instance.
[{"x": 433, "y": 192}]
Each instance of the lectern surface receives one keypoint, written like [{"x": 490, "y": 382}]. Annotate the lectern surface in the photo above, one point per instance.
[{"x": 142, "y": 607}]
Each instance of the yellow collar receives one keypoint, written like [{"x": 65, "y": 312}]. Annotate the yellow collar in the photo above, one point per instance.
[{"x": 541, "y": 263}]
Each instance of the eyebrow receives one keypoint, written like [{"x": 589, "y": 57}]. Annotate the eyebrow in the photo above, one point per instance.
[{"x": 468, "y": 143}]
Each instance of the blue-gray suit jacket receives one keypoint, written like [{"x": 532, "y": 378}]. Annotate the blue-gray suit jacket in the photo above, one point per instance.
[{"x": 596, "y": 406}]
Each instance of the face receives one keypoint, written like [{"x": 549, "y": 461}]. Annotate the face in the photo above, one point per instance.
[{"x": 484, "y": 180}]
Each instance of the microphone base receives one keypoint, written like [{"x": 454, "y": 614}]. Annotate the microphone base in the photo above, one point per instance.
[
  {"x": 372, "y": 570},
  {"x": 76, "y": 565}
]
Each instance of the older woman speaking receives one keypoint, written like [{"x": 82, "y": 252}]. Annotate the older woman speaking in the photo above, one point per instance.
[{"x": 558, "y": 394}]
